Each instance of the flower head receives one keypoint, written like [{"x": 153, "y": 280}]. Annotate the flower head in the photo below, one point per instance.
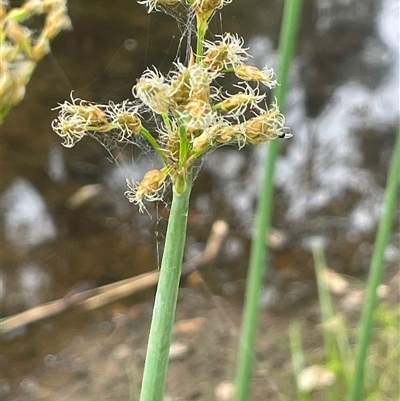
[
  {"x": 180, "y": 85},
  {"x": 189, "y": 93},
  {"x": 150, "y": 188},
  {"x": 77, "y": 118},
  {"x": 249, "y": 73},
  {"x": 237, "y": 104},
  {"x": 205, "y": 9},
  {"x": 231, "y": 133},
  {"x": 70, "y": 128},
  {"x": 266, "y": 126},
  {"x": 152, "y": 90},
  {"x": 125, "y": 116},
  {"x": 202, "y": 142},
  {"x": 226, "y": 53}
]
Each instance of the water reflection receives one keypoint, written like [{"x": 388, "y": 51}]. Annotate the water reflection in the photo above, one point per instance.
[
  {"x": 27, "y": 221},
  {"x": 57, "y": 169},
  {"x": 32, "y": 283},
  {"x": 325, "y": 160}
]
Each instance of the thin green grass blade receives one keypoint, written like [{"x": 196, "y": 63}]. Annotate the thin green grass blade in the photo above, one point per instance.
[
  {"x": 336, "y": 342},
  {"x": 156, "y": 365},
  {"x": 325, "y": 300},
  {"x": 376, "y": 271},
  {"x": 298, "y": 359},
  {"x": 291, "y": 17}
]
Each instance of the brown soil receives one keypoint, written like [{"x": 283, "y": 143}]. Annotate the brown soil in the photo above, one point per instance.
[{"x": 102, "y": 358}]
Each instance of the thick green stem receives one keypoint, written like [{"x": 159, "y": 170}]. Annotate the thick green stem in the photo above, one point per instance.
[
  {"x": 256, "y": 273},
  {"x": 156, "y": 365},
  {"x": 375, "y": 276}
]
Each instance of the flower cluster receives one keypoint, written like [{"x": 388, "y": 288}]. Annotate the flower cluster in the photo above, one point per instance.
[
  {"x": 80, "y": 118},
  {"x": 194, "y": 112},
  {"x": 189, "y": 98},
  {"x": 22, "y": 48}
]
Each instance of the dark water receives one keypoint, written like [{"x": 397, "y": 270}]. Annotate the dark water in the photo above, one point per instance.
[{"x": 343, "y": 108}]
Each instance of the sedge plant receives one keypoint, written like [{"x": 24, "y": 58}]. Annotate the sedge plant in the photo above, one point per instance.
[
  {"x": 193, "y": 114},
  {"x": 290, "y": 22}
]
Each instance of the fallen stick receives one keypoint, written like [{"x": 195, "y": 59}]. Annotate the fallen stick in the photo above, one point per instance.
[
  {"x": 131, "y": 286},
  {"x": 219, "y": 230},
  {"x": 11, "y": 323},
  {"x": 97, "y": 297}
]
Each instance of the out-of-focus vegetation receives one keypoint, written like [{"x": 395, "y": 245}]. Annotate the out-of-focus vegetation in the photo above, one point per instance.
[{"x": 23, "y": 45}]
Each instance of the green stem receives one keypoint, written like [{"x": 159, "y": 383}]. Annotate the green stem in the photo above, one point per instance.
[
  {"x": 167, "y": 123},
  {"x": 183, "y": 146},
  {"x": 201, "y": 33},
  {"x": 150, "y": 138},
  {"x": 156, "y": 365},
  {"x": 263, "y": 215},
  {"x": 376, "y": 271},
  {"x": 195, "y": 156}
]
